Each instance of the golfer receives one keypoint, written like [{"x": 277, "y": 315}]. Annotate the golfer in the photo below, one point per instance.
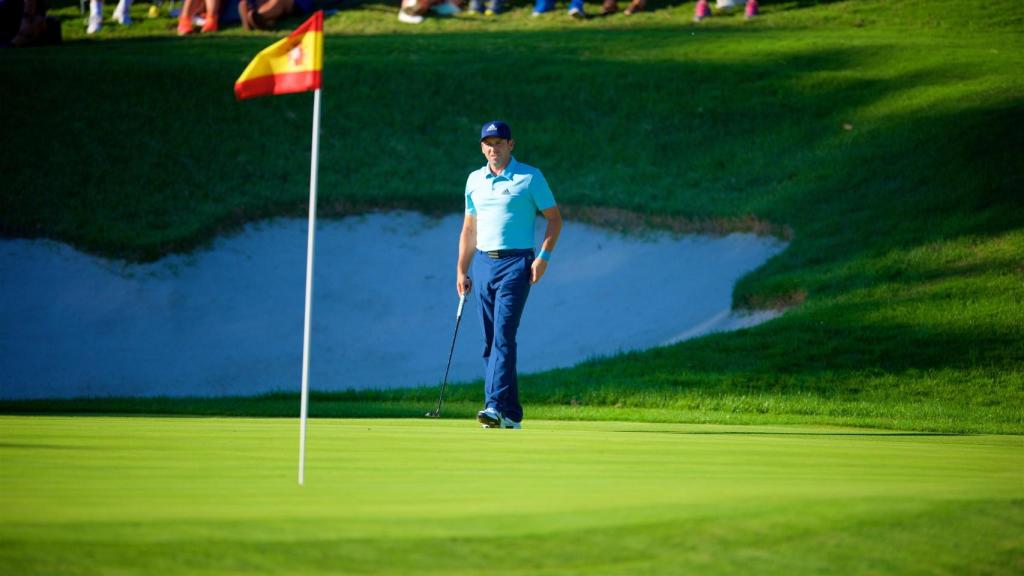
[{"x": 502, "y": 201}]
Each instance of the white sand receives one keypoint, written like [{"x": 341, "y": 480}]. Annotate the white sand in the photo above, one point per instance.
[{"x": 228, "y": 319}]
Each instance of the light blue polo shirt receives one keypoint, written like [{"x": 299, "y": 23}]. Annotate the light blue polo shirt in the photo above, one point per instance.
[{"x": 506, "y": 205}]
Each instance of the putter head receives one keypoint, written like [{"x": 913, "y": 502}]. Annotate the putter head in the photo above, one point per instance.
[{"x": 432, "y": 414}]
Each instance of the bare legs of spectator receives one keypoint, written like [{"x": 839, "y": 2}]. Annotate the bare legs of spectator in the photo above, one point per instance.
[
  {"x": 612, "y": 6},
  {"x": 266, "y": 16},
  {"x": 32, "y": 24}
]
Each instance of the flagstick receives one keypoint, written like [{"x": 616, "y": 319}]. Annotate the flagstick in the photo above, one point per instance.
[{"x": 309, "y": 284}]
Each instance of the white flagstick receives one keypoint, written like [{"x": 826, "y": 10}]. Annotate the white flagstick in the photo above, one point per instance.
[{"x": 309, "y": 284}]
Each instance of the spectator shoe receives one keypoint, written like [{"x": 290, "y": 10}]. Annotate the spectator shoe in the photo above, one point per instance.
[
  {"x": 184, "y": 24},
  {"x": 542, "y": 6},
  {"x": 445, "y": 9},
  {"x": 211, "y": 23},
  {"x": 94, "y": 23},
  {"x": 121, "y": 14},
  {"x": 408, "y": 13}
]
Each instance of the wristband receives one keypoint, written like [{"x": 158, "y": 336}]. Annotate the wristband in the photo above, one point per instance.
[{"x": 544, "y": 255}]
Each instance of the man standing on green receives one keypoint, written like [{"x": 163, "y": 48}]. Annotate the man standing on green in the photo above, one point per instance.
[{"x": 502, "y": 201}]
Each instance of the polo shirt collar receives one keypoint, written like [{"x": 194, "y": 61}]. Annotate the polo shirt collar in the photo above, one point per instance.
[{"x": 509, "y": 170}]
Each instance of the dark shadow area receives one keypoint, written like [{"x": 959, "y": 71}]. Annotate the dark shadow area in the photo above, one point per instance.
[
  {"x": 367, "y": 84},
  {"x": 798, "y": 4}
]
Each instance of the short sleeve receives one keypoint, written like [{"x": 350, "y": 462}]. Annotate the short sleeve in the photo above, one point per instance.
[
  {"x": 541, "y": 192},
  {"x": 470, "y": 208}
]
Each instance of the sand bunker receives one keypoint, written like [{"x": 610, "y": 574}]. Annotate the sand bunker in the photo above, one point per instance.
[{"x": 228, "y": 319}]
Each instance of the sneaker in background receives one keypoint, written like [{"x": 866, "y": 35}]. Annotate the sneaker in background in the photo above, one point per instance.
[
  {"x": 404, "y": 16},
  {"x": 542, "y": 6},
  {"x": 445, "y": 9},
  {"x": 407, "y": 13},
  {"x": 121, "y": 14},
  {"x": 95, "y": 24},
  {"x": 494, "y": 7},
  {"x": 184, "y": 25},
  {"x": 211, "y": 24}
]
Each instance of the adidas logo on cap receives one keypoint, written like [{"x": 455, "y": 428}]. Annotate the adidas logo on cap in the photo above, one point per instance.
[{"x": 495, "y": 128}]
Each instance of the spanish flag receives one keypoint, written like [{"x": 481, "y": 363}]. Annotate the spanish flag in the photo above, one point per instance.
[{"x": 292, "y": 64}]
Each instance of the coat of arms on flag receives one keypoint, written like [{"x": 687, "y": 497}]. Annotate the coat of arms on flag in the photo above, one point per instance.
[{"x": 292, "y": 64}]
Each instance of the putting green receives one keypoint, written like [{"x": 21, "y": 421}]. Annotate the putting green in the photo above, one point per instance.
[{"x": 88, "y": 495}]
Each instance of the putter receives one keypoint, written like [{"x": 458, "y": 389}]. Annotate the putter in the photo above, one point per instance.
[{"x": 458, "y": 318}]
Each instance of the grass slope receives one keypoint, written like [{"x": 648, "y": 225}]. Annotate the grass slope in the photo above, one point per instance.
[
  {"x": 885, "y": 135},
  {"x": 218, "y": 496}
]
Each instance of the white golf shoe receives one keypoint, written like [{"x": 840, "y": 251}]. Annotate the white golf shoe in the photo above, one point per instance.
[
  {"x": 491, "y": 418},
  {"x": 509, "y": 423}
]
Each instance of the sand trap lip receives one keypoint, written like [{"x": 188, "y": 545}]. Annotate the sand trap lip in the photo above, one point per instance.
[{"x": 227, "y": 320}]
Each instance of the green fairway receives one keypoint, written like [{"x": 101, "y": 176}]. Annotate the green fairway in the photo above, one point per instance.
[{"x": 215, "y": 496}]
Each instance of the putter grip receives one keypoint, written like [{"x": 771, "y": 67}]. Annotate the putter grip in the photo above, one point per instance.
[{"x": 462, "y": 302}]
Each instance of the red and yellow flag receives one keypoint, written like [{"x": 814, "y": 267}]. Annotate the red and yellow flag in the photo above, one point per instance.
[{"x": 292, "y": 64}]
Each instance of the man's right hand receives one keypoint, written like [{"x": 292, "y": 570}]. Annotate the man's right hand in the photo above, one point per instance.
[{"x": 463, "y": 284}]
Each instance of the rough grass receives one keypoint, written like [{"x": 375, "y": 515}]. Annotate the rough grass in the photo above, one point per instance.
[{"x": 883, "y": 136}]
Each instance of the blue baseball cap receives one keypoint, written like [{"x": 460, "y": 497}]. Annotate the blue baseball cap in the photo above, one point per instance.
[{"x": 495, "y": 128}]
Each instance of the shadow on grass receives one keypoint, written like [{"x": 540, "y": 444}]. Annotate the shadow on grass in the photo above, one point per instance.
[{"x": 573, "y": 87}]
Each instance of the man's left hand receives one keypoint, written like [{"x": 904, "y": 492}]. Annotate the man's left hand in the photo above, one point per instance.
[{"x": 540, "y": 266}]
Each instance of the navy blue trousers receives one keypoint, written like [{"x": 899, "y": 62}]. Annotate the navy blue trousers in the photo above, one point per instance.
[{"x": 502, "y": 286}]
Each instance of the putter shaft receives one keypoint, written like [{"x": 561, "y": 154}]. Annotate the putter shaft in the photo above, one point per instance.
[{"x": 458, "y": 320}]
